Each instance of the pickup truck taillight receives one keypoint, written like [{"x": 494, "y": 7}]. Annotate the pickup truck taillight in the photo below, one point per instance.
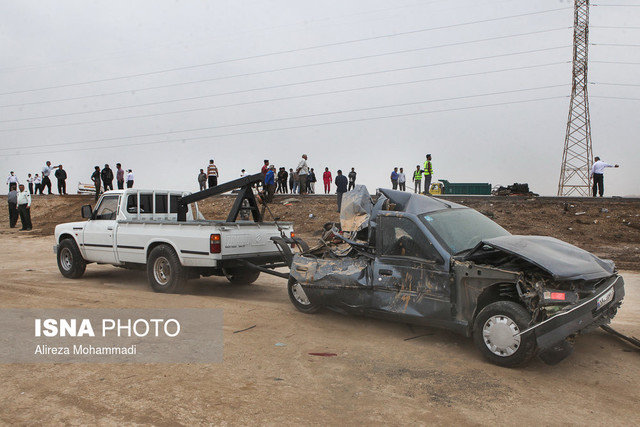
[
  {"x": 215, "y": 246},
  {"x": 293, "y": 235}
]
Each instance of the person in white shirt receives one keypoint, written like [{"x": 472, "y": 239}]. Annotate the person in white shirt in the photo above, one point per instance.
[
  {"x": 46, "y": 182},
  {"x": 130, "y": 179},
  {"x": 597, "y": 173},
  {"x": 303, "y": 172},
  {"x": 37, "y": 182},
  {"x": 30, "y": 183},
  {"x": 12, "y": 179},
  {"x": 402, "y": 180},
  {"x": 24, "y": 208}
]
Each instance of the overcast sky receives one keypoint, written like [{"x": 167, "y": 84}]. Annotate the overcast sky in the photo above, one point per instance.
[{"x": 370, "y": 84}]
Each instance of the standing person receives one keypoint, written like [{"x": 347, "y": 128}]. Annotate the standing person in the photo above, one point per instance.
[
  {"x": 61, "y": 177},
  {"x": 394, "y": 179},
  {"x": 303, "y": 173},
  {"x": 243, "y": 173},
  {"x": 291, "y": 179},
  {"x": 30, "y": 183},
  {"x": 427, "y": 171},
  {"x": 270, "y": 183},
  {"x": 296, "y": 183},
  {"x": 129, "y": 178},
  {"x": 285, "y": 179},
  {"x": 12, "y": 201},
  {"x": 312, "y": 181},
  {"x": 107, "y": 178},
  {"x": 265, "y": 167},
  {"x": 24, "y": 208},
  {"x": 341, "y": 187},
  {"x": 212, "y": 174},
  {"x": 417, "y": 179},
  {"x": 280, "y": 186},
  {"x": 95, "y": 177},
  {"x": 597, "y": 172},
  {"x": 46, "y": 182},
  {"x": 352, "y": 179},
  {"x": 120, "y": 176},
  {"x": 12, "y": 179},
  {"x": 402, "y": 180},
  {"x": 37, "y": 182},
  {"x": 202, "y": 179},
  {"x": 327, "y": 179}
]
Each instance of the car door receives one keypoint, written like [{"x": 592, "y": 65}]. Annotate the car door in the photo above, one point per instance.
[
  {"x": 410, "y": 278},
  {"x": 98, "y": 236}
]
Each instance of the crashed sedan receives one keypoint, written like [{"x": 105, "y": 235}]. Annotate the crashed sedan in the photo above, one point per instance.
[{"x": 427, "y": 261}]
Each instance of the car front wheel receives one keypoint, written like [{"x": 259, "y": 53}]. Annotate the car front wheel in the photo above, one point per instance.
[
  {"x": 299, "y": 298},
  {"x": 70, "y": 261},
  {"x": 496, "y": 333}
]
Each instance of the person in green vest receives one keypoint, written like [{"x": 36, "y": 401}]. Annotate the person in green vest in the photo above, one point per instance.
[
  {"x": 428, "y": 173},
  {"x": 417, "y": 179}
]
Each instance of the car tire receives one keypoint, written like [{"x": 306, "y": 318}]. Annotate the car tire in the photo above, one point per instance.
[
  {"x": 494, "y": 333},
  {"x": 164, "y": 270},
  {"x": 299, "y": 298},
  {"x": 70, "y": 261},
  {"x": 241, "y": 276}
]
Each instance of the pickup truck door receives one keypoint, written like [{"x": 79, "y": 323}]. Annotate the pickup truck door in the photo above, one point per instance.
[
  {"x": 410, "y": 278},
  {"x": 98, "y": 236}
]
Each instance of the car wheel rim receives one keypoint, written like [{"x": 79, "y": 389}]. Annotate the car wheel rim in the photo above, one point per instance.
[
  {"x": 162, "y": 270},
  {"x": 66, "y": 259},
  {"x": 299, "y": 295},
  {"x": 501, "y": 335}
]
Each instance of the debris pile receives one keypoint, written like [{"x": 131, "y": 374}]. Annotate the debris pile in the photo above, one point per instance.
[{"x": 514, "y": 190}]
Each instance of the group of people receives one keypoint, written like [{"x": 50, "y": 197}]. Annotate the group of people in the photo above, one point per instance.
[
  {"x": 38, "y": 183},
  {"x": 422, "y": 173},
  {"x": 103, "y": 179}
]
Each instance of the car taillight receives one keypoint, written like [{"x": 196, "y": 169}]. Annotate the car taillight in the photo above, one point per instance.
[
  {"x": 215, "y": 246},
  {"x": 557, "y": 296},
  {"x": 293, "y": 235}
]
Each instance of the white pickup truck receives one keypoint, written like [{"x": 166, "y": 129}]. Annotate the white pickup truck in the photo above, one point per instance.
[{"x": 137, "y": 228}]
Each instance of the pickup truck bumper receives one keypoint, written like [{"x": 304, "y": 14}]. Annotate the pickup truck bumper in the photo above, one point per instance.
[{"x": 584, "y": 313}]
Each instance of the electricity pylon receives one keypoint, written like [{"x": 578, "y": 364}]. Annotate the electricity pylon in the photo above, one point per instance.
[{"x": 577, "y": 157}]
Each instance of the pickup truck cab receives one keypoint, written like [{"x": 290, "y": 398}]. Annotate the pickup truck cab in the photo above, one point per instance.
[{"x": 140, "y": 229}]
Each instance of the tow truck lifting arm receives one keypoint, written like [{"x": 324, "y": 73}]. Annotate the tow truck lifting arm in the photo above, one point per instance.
[{"x": 245, "y": 193}]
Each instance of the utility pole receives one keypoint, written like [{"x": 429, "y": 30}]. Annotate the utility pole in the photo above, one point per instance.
[{"x": 577, "y": 157}]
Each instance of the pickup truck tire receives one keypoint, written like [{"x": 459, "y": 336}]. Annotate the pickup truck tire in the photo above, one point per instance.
[
  {"x": 70, "y": 261},
  {"x": 164, "y": 271},
  {"x": 241, "y": 276},
  {"x": 299, "y": 298},
  {"x": 494, "y": 333}
]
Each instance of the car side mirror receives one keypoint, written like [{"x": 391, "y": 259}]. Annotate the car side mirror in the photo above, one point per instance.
[{"x": 87, "y": 212}]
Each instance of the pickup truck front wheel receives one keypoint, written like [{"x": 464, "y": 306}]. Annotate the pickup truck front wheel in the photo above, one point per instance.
[
  {"x": 164, "y": 271},
  {"x": 496, "y": 333},
  {"x": 241, "y": 276},
  {"x": 70, "y": 261}
]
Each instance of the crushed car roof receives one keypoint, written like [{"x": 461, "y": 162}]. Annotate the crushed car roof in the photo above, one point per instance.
[{"x": 417, "y": 203}]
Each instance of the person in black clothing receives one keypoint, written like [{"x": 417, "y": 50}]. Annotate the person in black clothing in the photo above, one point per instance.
[
  {"x": 282, "y": 181},
  {"x": 95, "y": 177},
  {"x": 352, "y": 179},
  {"x": 341, "y": 185},
  {"x": 311, "y": 182},
  {"x": 107, "y": 178},
  {"x": 61, "y": 176},
  {"x": 291, "y": 178}
]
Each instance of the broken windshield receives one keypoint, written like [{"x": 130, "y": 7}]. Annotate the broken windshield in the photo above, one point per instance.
[{"x": 461, "y": 229}]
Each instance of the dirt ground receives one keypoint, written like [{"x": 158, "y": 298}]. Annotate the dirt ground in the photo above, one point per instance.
[{"x": 376, "y": 377}]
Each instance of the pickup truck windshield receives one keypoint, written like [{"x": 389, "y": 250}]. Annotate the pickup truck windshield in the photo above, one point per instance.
[{"x": 461, "y": 229}]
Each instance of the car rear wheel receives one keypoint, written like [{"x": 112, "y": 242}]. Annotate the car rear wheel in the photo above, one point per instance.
[
  {"x": 70, "y": 261},
  {"x": 238, "y": 276},
  {"x": 164, "y": 271},
  {"x": 299, "y": 298},
  {"x": 496, "y": 333}
]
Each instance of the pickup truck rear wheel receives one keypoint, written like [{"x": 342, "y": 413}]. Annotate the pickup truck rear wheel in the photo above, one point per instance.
[
  {"x": 496, "y": 334},
  {"x": 299, "y": 298},
  {"x": 164, "y": 271},
  {"x": 241, "y": 276},
  {"x": 70, "y": 261}
]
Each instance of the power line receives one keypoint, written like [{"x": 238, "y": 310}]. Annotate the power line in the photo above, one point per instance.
[
  {"x": 615, "y": 97},
  {"x": 617, "y": 62},
  {"x": 615, "y": 44},
  {"x": 289, "y": 51},
  {"x": 292, "y": 117},
  {"x": 128, "y": 91},
  {"x": 614, "y": 27},
  {"x": 326, "y": 79},
  {"x": 295, "y": 127},
  {"x": 284, "y": 98},
  {"x": 614, "y": 84}
]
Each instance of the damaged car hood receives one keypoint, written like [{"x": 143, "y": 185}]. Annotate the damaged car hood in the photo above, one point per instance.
[{"x": 560, "y": 259}]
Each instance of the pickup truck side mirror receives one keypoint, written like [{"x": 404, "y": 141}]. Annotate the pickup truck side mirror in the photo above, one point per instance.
[{"x": 87, "y": 212}]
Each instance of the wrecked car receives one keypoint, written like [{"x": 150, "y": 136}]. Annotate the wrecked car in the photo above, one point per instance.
[{"x": 428, "y": 261}]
